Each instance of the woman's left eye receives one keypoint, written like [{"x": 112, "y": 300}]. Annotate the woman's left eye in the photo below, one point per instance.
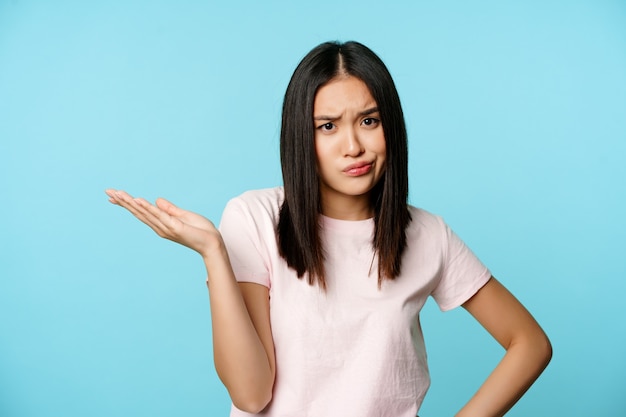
[{"x": 370, "y": 121}]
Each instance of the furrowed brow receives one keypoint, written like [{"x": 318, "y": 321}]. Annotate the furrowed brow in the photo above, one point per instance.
[
  {"x": 324, "y": 117},
  {"x": 369, "y": 111},
  {"x": 365, "y": 112}
]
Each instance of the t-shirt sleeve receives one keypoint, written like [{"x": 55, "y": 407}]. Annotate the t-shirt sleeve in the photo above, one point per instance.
[
  {"x": 244, "y": 242},
  {"x": 463, "y": 274}
]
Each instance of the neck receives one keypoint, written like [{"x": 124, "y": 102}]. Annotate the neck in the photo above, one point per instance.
[{"x": 347, "y": 207}]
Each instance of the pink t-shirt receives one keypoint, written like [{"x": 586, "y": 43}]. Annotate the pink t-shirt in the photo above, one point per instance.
[{"x": 355, "y": 349}]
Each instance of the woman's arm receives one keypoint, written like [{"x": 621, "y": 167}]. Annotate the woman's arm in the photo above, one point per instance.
[
  {"x": 528, "y": 350},
  {"x": 242, "y": 340},
  {"x": 243, "y": 347}
]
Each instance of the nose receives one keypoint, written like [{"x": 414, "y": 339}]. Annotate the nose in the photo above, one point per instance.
[{"x": 351, "y": 144}]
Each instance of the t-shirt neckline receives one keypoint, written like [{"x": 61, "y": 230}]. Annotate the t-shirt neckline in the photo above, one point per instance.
[{"x": 347, "y": 226}]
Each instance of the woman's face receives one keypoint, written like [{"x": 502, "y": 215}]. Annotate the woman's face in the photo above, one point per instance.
[{"x": 350, "y": 147}]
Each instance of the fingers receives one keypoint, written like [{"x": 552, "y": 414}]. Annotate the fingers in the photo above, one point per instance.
[
  {"x": 169, "y": 207},
  {"x": 170, "y": 222},
  {"x": 152, "y": 216},
  {"x": 167, "y": 224},
  {"x": 112, "y": 197}
]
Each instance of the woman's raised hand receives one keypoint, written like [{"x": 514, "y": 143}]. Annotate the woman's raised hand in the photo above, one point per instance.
[{"x": 171, "y": 222}]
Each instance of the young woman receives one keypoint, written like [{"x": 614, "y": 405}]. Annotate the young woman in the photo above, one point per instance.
[{"x": 316, "y": 287}]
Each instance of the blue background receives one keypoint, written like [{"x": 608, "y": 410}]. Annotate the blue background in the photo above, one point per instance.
[{"x": 517, "y": 121}]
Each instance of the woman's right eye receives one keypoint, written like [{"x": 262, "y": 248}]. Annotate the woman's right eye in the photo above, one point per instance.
[{"x": 327, "y": 127}]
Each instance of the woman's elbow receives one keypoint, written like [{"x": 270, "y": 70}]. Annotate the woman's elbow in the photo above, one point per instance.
[
  {"x": 253, "y": 404},
  {"x": 534, "y": 348},
  {"x": 538, "y": 349},
  {"x": 544, "y": 347}
]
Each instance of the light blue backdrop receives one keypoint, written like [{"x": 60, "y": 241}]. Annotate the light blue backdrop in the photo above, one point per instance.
[{"x": 517, "y": 120}]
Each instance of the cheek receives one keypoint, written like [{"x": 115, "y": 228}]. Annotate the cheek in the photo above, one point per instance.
[
  {"x": 381, "y": 146},
  {"x": 381, "y": 151},
  {"x": 321, "y": 155},
  {"x": 325, "y": 148}
]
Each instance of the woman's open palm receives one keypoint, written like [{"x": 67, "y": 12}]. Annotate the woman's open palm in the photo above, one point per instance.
[{"x": 171, "y": 222}]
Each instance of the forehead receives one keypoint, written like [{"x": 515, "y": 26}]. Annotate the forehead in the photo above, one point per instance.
[{"x": 343, "y": 93}]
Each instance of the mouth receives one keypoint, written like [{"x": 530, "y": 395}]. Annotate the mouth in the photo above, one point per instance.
[{"x": 359, "y": 168}]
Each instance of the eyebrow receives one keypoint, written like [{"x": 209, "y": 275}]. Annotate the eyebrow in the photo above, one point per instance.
[{"x": 365, "y": 112}]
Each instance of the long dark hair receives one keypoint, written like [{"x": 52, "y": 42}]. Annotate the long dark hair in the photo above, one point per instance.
[{"x": 298, "y": 226}]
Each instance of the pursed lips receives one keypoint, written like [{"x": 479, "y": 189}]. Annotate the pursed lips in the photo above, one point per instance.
[{"x": 359, "y": 168}]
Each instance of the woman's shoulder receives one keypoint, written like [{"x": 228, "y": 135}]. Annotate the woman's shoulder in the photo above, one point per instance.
[
  {"x": 258, "y": 203},
  {"x": 271, "y": 196},
  {"x": 424, "y": 219}
]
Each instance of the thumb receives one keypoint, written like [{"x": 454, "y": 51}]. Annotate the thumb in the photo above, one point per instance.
[{"x": 168, "y": 207}]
